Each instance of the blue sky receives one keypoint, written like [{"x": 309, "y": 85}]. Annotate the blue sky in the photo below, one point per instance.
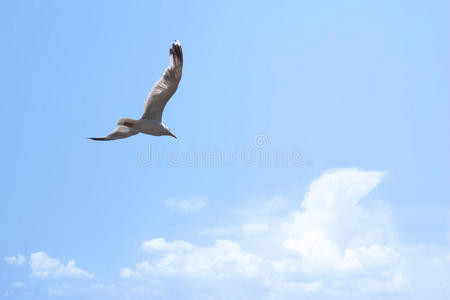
[{"x": 352, "y": 97}]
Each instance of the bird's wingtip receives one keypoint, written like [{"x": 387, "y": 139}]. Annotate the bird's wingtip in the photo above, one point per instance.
[{"x": 97, "y": 139}]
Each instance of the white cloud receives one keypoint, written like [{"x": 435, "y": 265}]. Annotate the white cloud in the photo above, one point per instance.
[
  {"x": 16, "y": 260},
  {"x": 332, "y": 240},
  {"x": 329, "y": 222},
  {"x": 160, "y": 244},
  {"x": 295, "y": 286},
  {"x": 334, "y": 235},
  {"x": 17, "y": 285},
  {"x": 43, "y": 267},
  {"x": 439, "y": 262},
  {"x": 100, "y": 288},
  {"x": 126, "y": 273},
  {"x": 223, "y": 259},
  {"x": 254, "y": 228},
  {"x": 188, "y": 205}
]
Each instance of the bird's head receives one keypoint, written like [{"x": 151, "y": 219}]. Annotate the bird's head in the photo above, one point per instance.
[
  {"x": 167, "y": 131},
  {"x": 171, "y": 134}
]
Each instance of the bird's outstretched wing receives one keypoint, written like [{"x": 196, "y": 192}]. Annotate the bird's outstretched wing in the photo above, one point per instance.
[
  {"x": 166, "y": 86},
  {"x": 120, "y": 132}
]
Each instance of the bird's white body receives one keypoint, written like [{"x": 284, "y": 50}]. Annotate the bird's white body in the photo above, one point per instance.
[
  {"x": 151, "y": 127},
  {"x": 151, "y": 120}
]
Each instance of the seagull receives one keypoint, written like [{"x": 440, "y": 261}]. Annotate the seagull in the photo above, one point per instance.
[{"x": 150, "y": 122}]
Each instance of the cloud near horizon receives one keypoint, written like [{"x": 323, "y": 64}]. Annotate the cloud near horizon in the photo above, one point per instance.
[
  {"x": 43, "y": 267},
  {"x": 334, "y": 242},
  {"x": 186, "y": 205},
  {"x": 330, "y": 244}
]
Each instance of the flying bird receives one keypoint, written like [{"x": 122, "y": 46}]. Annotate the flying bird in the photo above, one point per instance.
[{"x": 150, "y": 122}]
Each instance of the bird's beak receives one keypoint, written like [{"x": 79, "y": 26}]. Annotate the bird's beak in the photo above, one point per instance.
[{"x": 171, "y": 134}]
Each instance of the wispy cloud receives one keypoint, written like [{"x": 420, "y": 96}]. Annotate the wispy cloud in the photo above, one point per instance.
[
  {"x": 218, "y": 231},
  {"x": 16, "y": 260},
  {"x": 160, "y": 244},
  {"x": 223, "y": 259},
  {"x": 254, "y": 228},
  {"x": 43, "y": 267},
  {"x": 17, "y": 285},
  {"x": 186, "y": 205},
  {"x": 60, "y": 279}
]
